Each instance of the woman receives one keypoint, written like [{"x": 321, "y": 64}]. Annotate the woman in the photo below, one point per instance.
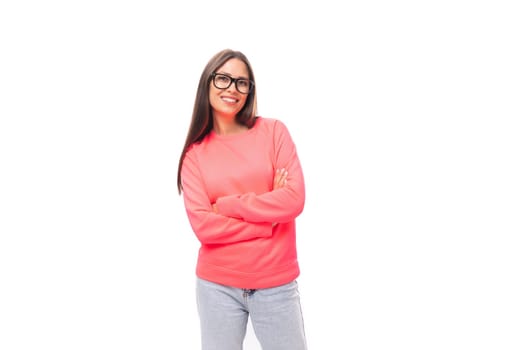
[{"x": 243, "y": 187}]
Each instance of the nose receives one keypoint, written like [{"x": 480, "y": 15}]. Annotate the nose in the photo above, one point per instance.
[{"x": 232, "y": 87}]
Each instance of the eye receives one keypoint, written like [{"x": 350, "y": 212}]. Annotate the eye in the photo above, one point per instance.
[
  {"x": 223, "y": 79},
  {"x": 243, "y": 83}
]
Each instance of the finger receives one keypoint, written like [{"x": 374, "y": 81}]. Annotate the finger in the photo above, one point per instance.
[
  {"x": 280, "y": 178},
  {"x": 277, "y": 177},
  {"x": 283, "y": 178},
  {"x": 284, "y": 175}
]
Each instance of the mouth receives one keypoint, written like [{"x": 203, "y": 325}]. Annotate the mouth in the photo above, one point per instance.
[{"x": 229, "y": 99}]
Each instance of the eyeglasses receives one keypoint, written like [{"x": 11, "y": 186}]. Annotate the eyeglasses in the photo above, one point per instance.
[{"x": 223, "y": 81}]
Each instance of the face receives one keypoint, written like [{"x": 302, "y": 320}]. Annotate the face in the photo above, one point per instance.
[{"x": 226, "y": 103}]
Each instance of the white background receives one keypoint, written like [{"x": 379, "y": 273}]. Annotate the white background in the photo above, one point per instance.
[{"x": 408, "y": 118}]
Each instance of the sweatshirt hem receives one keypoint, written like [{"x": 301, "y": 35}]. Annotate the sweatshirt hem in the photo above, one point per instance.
[{"x": 267, "y": 279}]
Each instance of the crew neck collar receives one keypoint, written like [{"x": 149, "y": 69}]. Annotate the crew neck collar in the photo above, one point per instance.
[{"x": 236, "y": 135}]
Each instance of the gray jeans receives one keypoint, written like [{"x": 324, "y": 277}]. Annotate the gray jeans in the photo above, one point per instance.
[{"x": 275, "y": 314}]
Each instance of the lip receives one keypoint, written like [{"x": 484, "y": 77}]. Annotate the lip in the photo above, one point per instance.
[{"x": 229, "y": 99}]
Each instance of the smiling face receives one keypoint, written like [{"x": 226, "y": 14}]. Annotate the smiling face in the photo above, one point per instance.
[{"x": 226, "y": 103}]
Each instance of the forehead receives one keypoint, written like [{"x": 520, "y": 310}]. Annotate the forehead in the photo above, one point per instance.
[{"x": 234, "y": 67}]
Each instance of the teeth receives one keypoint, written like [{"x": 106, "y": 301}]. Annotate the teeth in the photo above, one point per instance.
[{"x": 227, "y": 99}]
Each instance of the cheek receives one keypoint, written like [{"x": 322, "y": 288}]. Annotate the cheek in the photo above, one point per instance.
[
  {"x": 243, "y": 100},
  {"x": 213, "y": 98}
]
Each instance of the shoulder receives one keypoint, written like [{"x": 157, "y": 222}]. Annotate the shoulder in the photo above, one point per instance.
[
  {"x": 270, "y": 124},
  {"x": 197, "y": 147}
]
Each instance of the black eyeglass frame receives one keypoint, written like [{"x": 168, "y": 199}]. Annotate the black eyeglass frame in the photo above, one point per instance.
[{"x": 232, "y": 80}]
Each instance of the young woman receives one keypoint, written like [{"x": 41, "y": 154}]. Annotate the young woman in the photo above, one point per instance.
[{"x": 243, "y": 188}]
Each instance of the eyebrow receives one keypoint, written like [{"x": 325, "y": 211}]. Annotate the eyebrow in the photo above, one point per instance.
[{"x": 231, "y": 76}]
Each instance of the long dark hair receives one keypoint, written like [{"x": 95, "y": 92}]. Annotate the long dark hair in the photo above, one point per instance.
[{"x": 202, "y": 118}]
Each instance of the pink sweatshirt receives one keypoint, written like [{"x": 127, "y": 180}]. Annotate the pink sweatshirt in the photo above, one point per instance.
[{"x": 239, "y": 245}]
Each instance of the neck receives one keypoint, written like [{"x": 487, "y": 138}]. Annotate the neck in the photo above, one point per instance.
[{"x": 227, "y": 127}]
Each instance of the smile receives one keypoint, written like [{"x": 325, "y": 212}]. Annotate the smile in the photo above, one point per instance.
[{"x": 229, "y": 99}]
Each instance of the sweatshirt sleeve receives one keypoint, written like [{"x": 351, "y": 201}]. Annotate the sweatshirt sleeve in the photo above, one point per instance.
[
  {"x": 210, "y": 227},
  {"x": 281, "y": 205}
]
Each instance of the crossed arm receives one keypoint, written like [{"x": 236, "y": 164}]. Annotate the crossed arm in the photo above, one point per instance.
[{"x": 279, "y": 181}]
